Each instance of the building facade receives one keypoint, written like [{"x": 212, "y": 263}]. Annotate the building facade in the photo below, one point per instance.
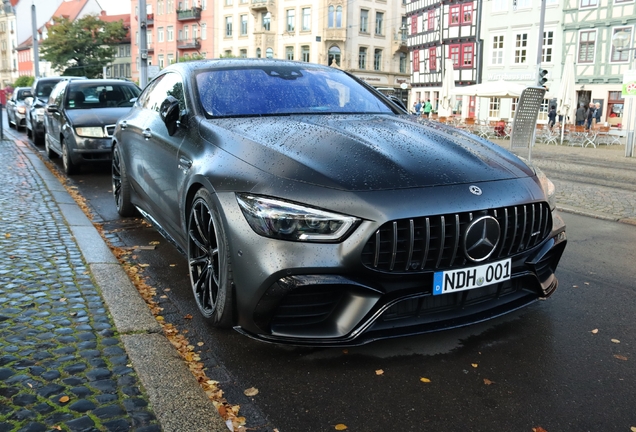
[
  {"x": 366, "y": 38},
  {"x": 588, "y": 29},
  {"x": 8, "y": 44}
]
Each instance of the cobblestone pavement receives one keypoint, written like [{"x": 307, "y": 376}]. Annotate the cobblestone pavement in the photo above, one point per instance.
[
  {"x": 598, "y": 182},
  {"x": 62, "y": 364}
]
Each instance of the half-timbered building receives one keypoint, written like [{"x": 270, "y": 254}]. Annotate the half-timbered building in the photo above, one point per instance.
[{"x": 438, "y": 30}]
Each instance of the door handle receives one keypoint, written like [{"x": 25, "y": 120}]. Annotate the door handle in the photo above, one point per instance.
[
  {"x": 123, "y": 124},
  {"x": 184, "y": 163},
  {"x": 147, "y": 134}
]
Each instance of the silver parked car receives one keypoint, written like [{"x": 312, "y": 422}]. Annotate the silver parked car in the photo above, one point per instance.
[{"x": 16, "y": 107}]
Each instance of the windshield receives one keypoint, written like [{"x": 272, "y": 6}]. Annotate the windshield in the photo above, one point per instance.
[
  {"x": 85, "y": 96},
  {"x": 286, "y": 89}
]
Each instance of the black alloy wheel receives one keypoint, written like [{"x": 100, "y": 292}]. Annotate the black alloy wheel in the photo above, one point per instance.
[
  {"x": 121, "y": 185},
  {"x": 209, "y": 262}
]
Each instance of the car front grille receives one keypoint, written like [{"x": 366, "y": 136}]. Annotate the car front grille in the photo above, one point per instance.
[
  {"x": 435, "y": 242},
  {"x": 110, "y": 130}
]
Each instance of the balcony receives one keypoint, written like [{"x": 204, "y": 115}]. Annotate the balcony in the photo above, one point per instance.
[
  {"x": 150, "y": 20},
  {"x": 399, "y": 41},
  {"x": 189, "y": 14},
  {"x": 262, "y": 5},
  {"x": 335, "y": 34},
  {"x": 150, "y": 47},
  {"x": 193, "y": 43}
]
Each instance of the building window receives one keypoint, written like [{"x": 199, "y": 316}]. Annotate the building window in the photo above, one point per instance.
[
  {"x": 243, "y": 25},
  {"x": 186, "y": 31},
  {"x": 304, "y": 53},
  {"x": 334, "y": 17},
  {"x": 291, "y": 20},
  {"x": 454, "y": 15},
  {"x": 521, "y": 4},
  {"x": 587, "y": 41},
  {"x": 258, "y": 53},
  {"x": 170, "y": 33},
  {"x": 548, "y": 44},
  {"x": 362, "y": 58},
  {"x": 416, "y": 60},
  {"x": 160, "y": 34},
  {"x": 195, "y": 32},
  {"x": 289, "y": 53},
  {"x": 170, "y": 59},
  {"x": 588, "y": 4},
  {"x": 493, "y": 107},
  {"x": 377, "y": 60},
  {"x": 622, "y": 56},
  {"x": 453, "y": 54},
  {"x": 543, "y": 110},
  {"x": 499, "y": 5},
  {"x": 364, "y": 21},
  {"x": 467, "y": 55},
  {"x": 497, "y": 55},
  {"x": 243, "y": 53},
  {"x": 521, "y": 48},
  {"x": 379, "y": 22},
  {"x": 432, "y": 59},
  {"x": 267, "y": 18},
  {"x": 161, "y": 65},
  {"x": 334, "y": 55},
  {"x": 228, "y": 26},
  {"x": 402, "y": 63},
  {"x": 431, "y": 20},
  {"x": 467, "y": 13},
  {"x": 306, "y": 19},
  {"x": 269, "y": 53},
  {"x": 414, "y": 24}
]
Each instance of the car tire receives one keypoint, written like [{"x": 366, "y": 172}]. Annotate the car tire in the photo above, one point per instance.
[
  {"x": 48, "y": 150},
  {"x": 67, "y": 163},
  {"x": 121, "y": 185},
  {"x": 209, "y": 262}
]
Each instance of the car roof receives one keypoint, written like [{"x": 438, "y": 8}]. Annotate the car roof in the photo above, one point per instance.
[{"x": 241, "y": 62}]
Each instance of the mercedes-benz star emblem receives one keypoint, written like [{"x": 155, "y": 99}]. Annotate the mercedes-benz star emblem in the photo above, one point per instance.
[
  {"x": 481, "y": 238},
  {"x": 475, "y": 190}
]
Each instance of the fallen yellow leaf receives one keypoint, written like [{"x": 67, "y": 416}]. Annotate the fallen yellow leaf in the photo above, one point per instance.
[
  {"x": 188, "y": 316},
  {"x": 575, "y": 286},
  {"x": 488, "y": 382},
  {"x": 539, "y": 429},
  {"x": 143, "y": 265},
  {"x": 620, "y": 357},
  {"x": 64, "y": 399},
  {"x": 586, "y": 283},
  {"x": 379, "y": 372},
  {"x": 250, "y": 391},
  {"x": 425, "y": 380},
  {"x": 340, "y": 426},
  {"x": 474, "y": 365},
  {"x": 200, "y": 344},
  {"x": 160, "y": 318},
  {"x": 616, "y": 341},
  {"x": 154, "y": 243},
  {"x": 7, "y": 235},
  {"x": 633, "y": 428},
  {"x": 594, "y": 331}
]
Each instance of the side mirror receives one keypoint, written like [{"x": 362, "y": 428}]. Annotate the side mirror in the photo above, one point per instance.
[
  {"x": 52, "y": 108},
  {"x": 396, "y": 100},
  {"x": 170, "y": 114}
]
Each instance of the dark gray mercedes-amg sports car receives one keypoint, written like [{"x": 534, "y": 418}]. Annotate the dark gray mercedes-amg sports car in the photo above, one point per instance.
[{"x": 314, "y": 211}]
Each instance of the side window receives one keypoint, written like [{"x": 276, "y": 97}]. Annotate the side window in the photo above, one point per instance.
[
  {"x": 57, "y": 93},
  {"x": 144, "y": 98},
  {"x": 169, "y": 85}
]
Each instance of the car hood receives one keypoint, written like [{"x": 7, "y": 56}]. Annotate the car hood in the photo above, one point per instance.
[
  {"x": 96, "y": 116},
  {"x": 363, "y": 152}
]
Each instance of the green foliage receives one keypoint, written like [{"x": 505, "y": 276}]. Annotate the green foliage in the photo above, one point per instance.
[
  {"x": 24, "y": 81},
  {"x": 187, "y": 58},
  {"x": 82, "y": 47}
]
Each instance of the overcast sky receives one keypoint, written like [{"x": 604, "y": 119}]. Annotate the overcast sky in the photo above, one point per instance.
[{"x": 116, "y": 7}]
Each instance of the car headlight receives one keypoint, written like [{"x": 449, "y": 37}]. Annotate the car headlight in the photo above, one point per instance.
[
  {"x": 288, "y": 221},
  {"x": 21, "y": 110},
  {"x": 548, "y": 188},
  {"x": 90, "y": 132}
]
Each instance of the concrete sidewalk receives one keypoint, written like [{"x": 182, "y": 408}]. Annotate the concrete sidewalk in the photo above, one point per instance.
[{"x": 79, "y": 348}]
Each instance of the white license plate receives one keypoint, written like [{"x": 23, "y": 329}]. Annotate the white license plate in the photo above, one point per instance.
[{"x": 450, "y": 281}]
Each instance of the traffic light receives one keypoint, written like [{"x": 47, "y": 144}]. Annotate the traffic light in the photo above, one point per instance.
[{"x": 543, "y": 77}]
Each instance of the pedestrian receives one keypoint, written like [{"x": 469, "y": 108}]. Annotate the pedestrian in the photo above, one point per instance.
[
  {"x": 597, "y": 112},
  {"x": 580, "y": 115},
  {"x": 428, "y": 108},
  {"x": 417, "y": 107},
  {"x": 590, "y": 116},
  {"x": 552, "y": 116}
]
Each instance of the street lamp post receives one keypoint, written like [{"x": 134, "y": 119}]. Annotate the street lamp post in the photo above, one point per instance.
[{"x": 620, "y": 41}]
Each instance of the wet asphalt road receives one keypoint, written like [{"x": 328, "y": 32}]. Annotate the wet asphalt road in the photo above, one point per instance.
[{"x": 540, "y": 367}]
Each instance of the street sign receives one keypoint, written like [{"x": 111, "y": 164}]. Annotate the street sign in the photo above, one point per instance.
[{"x": 153, "y": 71}]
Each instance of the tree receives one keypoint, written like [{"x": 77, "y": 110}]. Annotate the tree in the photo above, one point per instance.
[
  {"x": 24, "y": 81},
  {"x": 82, "y": 47}
]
